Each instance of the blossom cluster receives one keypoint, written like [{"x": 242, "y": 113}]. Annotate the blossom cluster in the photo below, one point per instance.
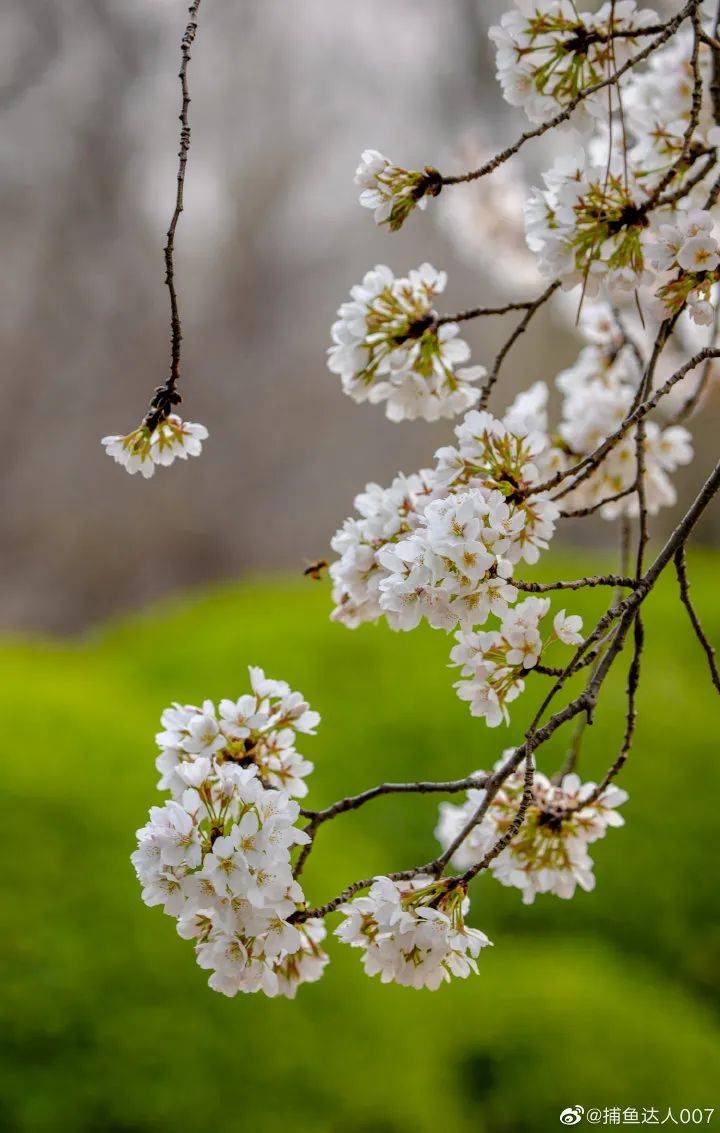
[
  {"x": 688, "y": 249},
  {"x": 586, "y": 227},
  {"x": 549, "y": 854},
  {"x": 448, "y": 536},
  {"x": 617, "y": 212},
  {"x": 391, "y": 191},
  {"x": 598, "y": 391},
  {"x": 494, "y": 662},
  {"x": 547, "y": 53},
  {"x": 144, "y": 450},
  {"x": 217, "y": 855},
  {"x": 658, "y": 109},
  {"x": 442, "y": 546},
  {"x": 388, "y": 346},
  {"x": 259, "y": 728},
  {"x": 413, "y": 933}
]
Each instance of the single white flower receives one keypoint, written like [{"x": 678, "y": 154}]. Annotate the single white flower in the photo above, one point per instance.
[
  {"x": 568, "y": 628},
  {"x": 699, "y": 253}
]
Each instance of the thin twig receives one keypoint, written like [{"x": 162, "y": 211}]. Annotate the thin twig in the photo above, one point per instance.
[
  {"x": 684, "y": 583},
  {"x": 575, "y": 583},
  {"x": 591, "y": 462},
  {"x": 519, "y": 330},
  {"x": 167, "y": 395},
  {"x": 354, "y": 802},
  {"x": 480, "y": 312}
]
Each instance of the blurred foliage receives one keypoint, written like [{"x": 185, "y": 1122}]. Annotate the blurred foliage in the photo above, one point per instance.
[{"x": 106, "y": 1022}]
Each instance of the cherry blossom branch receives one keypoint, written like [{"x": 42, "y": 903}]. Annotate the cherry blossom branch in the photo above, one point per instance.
[
  {"x": 442, "y": 545},
  {"x": 589, "y": 463},
  {"x": 625, "y": 613},
  {"x": 490, "y": 166}
]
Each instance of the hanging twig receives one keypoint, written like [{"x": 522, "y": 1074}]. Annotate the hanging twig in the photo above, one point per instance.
[{"x": 167, "y": 395}]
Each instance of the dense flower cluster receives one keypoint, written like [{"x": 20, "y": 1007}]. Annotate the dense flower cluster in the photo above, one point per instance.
[
  {"x": 494, "y": 662},
  {"x": 442, "y": 546},
  {"x": 391, "y": 191},
  {"x": 658, "y": 104},
  {"x": 547, "y": 52},
  {"x": 689, "y": 250},
  {"x": 217, "y": 855},
  {"x": 142, "y": 450},
  {"x": 499, "y": 457},
  {"x": 450, "y": 570},
  {"x": 219, "y": 861},
  {"x": 598, "y": 391},
  {"x": 617, "y": 213},
  {"x": 260, "y": 729},
  {"x": 586, "y": 227},
  {"x": 413, "y": 933},
  {"x": 449, "y": 536},
  {"x": 549, "y": 854},
  {"x": 389, "y": 347},
  {"x": 385, "y": 516}
]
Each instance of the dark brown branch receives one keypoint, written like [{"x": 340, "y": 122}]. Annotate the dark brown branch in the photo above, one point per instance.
[
  {"x": 167, "y": 395},
  {"x": 519, "y": 330},
  {"x": 494, "y": 851},
  {"x": 574, "y": 584},
  {"x": 688, "y": 408},
  {"x": 354, "y": 802},
  {"x": 630, "y": 719},
  {"x": 684, "y": 583},
  {"x": 583, "y": 512},
  {"x": 715, "y": 77},
  {"x": 480, "y": 312}
]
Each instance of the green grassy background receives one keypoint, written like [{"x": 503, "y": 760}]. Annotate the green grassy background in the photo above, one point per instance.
[{"x": 106, "y": 1022}]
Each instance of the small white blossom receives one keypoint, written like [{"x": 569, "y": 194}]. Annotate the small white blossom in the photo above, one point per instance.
[
  {"x": 494, "y": 663},
  {"x": 142, "y": 450},
  {"x": 391, "y": 191},
  {"x": 568, "y": 628}
]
